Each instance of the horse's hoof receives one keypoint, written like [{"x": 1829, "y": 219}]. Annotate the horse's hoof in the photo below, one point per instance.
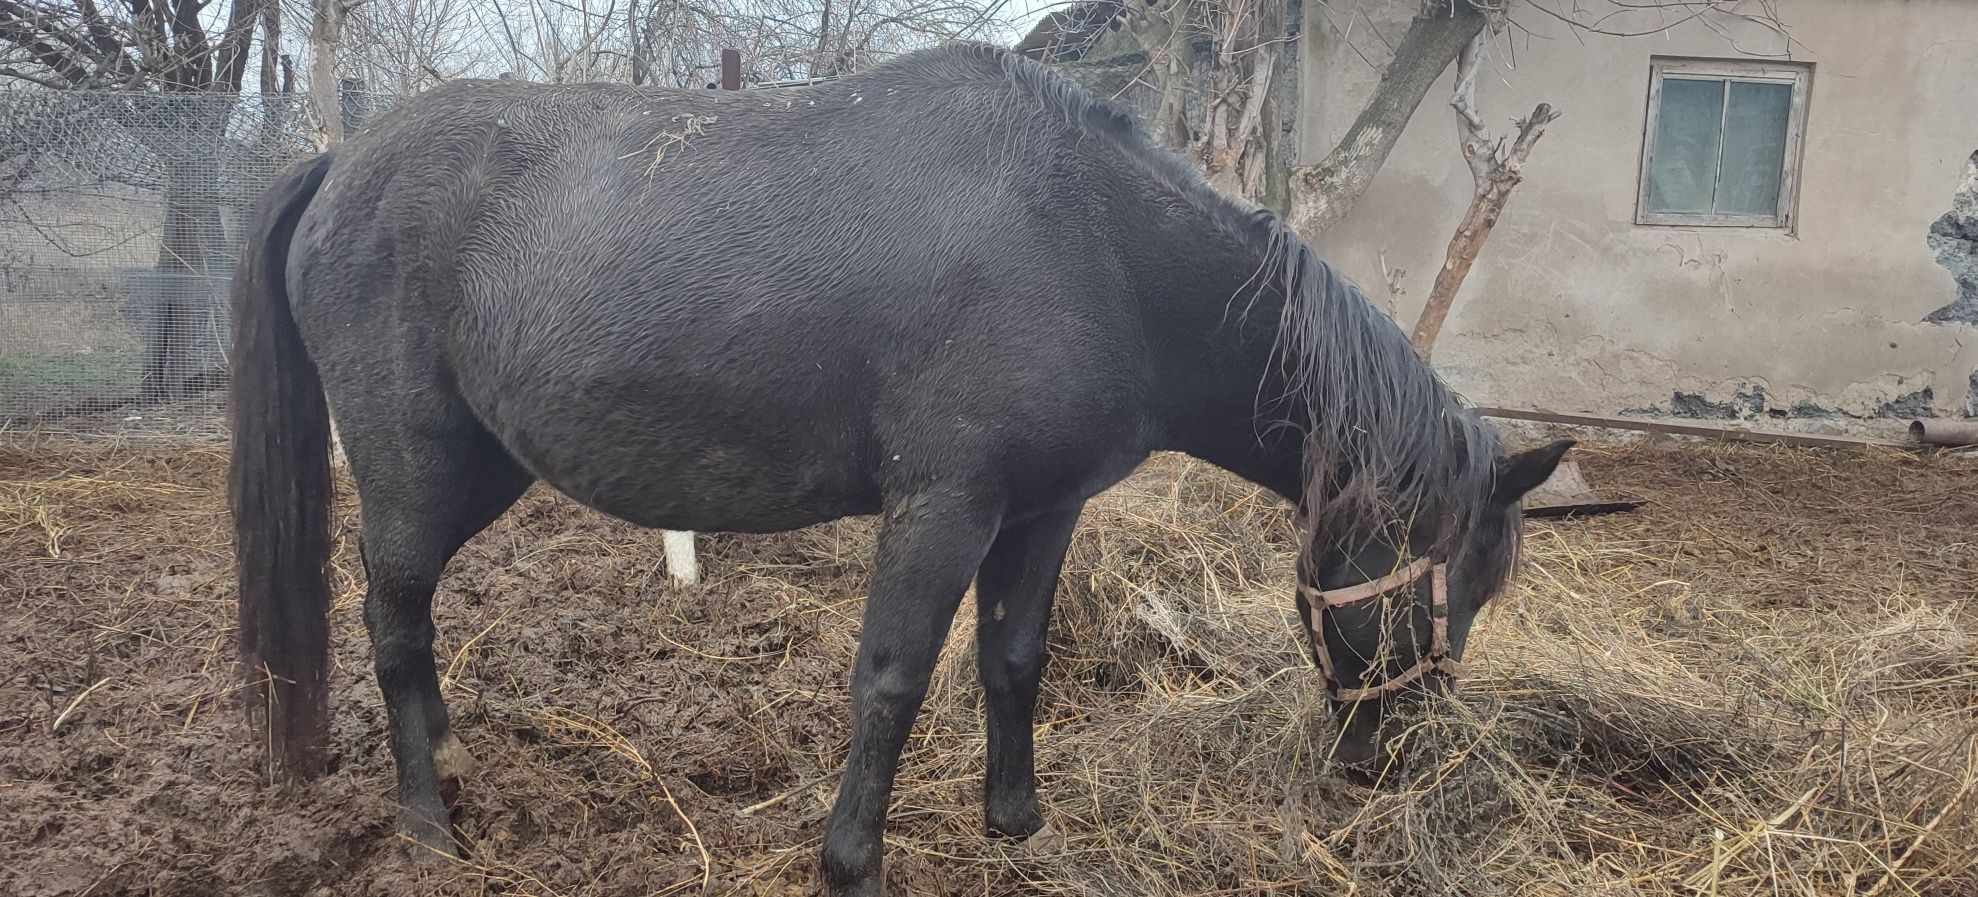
[
  {"x": 1019, "y": 822},
  {"x": 866, "y": 888},
  {"x": 1016, "y": 828},
  {"x": 845, "y": 879},
  {"x": 431, "y": 844},
  {"x": 432, "y": 856}
]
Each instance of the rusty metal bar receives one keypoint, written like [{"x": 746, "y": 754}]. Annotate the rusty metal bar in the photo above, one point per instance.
[
  {"x": 1728, "y": 434},
  {"x": 1945, "y": 433},
  {"x": 731, "y": 69}
]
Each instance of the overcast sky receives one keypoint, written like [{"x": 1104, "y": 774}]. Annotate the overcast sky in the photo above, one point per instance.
[{"x": 1027, "y": 12}]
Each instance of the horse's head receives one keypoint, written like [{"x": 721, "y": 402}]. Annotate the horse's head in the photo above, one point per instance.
[{"x": 1389, "y": 612}]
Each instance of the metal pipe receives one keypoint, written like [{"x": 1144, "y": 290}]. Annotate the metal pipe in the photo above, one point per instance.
[
  {"x": 1729, "y": 434},
  {"x": 1950, "y": 433}
]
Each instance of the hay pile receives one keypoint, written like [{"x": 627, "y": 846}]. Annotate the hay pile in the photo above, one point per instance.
[{"x": 1764, "y": 682}]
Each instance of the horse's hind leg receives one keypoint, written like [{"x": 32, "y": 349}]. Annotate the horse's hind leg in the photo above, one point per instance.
[
  {"x": 426, "y": 489},
  {"x": 1013, "y": 616}
]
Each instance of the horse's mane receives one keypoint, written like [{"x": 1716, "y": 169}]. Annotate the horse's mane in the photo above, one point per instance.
[{"x": 1384, "y": 437}]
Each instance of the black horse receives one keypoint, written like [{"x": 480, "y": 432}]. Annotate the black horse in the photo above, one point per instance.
[{"x": 956, "y": 292}]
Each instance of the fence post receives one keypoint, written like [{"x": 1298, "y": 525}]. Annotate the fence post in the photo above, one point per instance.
[{"x": 731, "y": 69}]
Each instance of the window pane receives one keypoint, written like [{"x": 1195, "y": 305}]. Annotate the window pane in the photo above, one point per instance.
[
  {"x": 1682, "y": 169},
  {"x": 1754, "y": 148}
]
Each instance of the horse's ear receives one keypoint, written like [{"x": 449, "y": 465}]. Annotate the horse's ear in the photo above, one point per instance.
[{"x": 1522, "y": 472}]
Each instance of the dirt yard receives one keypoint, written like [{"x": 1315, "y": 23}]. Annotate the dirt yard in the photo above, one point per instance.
[{"x": 1764, "y": 682}]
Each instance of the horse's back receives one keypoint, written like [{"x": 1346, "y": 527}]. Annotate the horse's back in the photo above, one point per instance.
[{"x": 677, "y": 304}]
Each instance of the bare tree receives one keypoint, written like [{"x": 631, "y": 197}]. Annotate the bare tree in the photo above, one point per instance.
[
  {"x": 403, "y": 46},
  {"x": 171, "y": 44},
  {"x": 196, "y": 57},
  {"x": 1494, "y": 169},
  {"x": 1211, "y": 76},
  {"x": 409, "y": 44},
  {"x": 1220, "y": 70}
]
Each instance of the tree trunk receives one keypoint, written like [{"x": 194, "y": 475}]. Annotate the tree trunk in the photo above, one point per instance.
[
  {"x": 271, "y": 44},
  {"x": 641, "y": 66},
  {"x": 1240, "y": 128},
  {"x": 185, "y": 354},
  {"x": 184, "y": 321},
  {"x": 1220, "y": 104},
  {"x": 819, "y": 61},
  {"x": 1463, "y": 249},
  {"x": 1494, "y": 185},
  {"x": 1493, "y": 170},
  {"x": 325, "y": 35},
  {"x": 1322, "y": 194}
]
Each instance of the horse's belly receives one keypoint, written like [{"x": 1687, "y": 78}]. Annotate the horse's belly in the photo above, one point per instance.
[
  {"x": 667, "y": 467},
  {"x": 667, "y": 505}
]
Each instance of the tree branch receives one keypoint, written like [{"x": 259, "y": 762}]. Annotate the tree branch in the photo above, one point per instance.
[
  {"x": 1472, "y": 134},
  {"x": 44, "y": 40},
  {"x": 231, "y": 68},
  {"x": 108, "y": 46},
  {"x": 1501, "y": 173},
  {"x": 49, "y": 83},
  {"x": 1323, "y": 193}
]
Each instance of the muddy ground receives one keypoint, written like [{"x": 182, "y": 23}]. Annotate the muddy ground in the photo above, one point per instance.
[{"x": 1663, "y": 705}]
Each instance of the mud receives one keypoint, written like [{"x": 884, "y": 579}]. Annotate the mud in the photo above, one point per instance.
[{"x": 632, "y": 738}]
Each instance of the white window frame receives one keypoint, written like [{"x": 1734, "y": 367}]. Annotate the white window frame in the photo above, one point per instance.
[{"x": 1800, "y": 76}]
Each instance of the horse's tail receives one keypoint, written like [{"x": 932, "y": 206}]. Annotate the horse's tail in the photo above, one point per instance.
[{"x": 280, "y": 488}]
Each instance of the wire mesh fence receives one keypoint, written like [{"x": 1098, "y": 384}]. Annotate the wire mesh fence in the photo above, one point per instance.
[{"x": 121, "y": 215}]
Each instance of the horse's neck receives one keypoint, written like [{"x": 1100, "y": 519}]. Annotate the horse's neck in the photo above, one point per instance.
[{"x": 1212, "y": 332}]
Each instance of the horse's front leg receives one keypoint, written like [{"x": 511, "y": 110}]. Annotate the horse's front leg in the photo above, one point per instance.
[
  {"x": 1013, "y": 617},
  {"x": 929, "y": 548}
]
